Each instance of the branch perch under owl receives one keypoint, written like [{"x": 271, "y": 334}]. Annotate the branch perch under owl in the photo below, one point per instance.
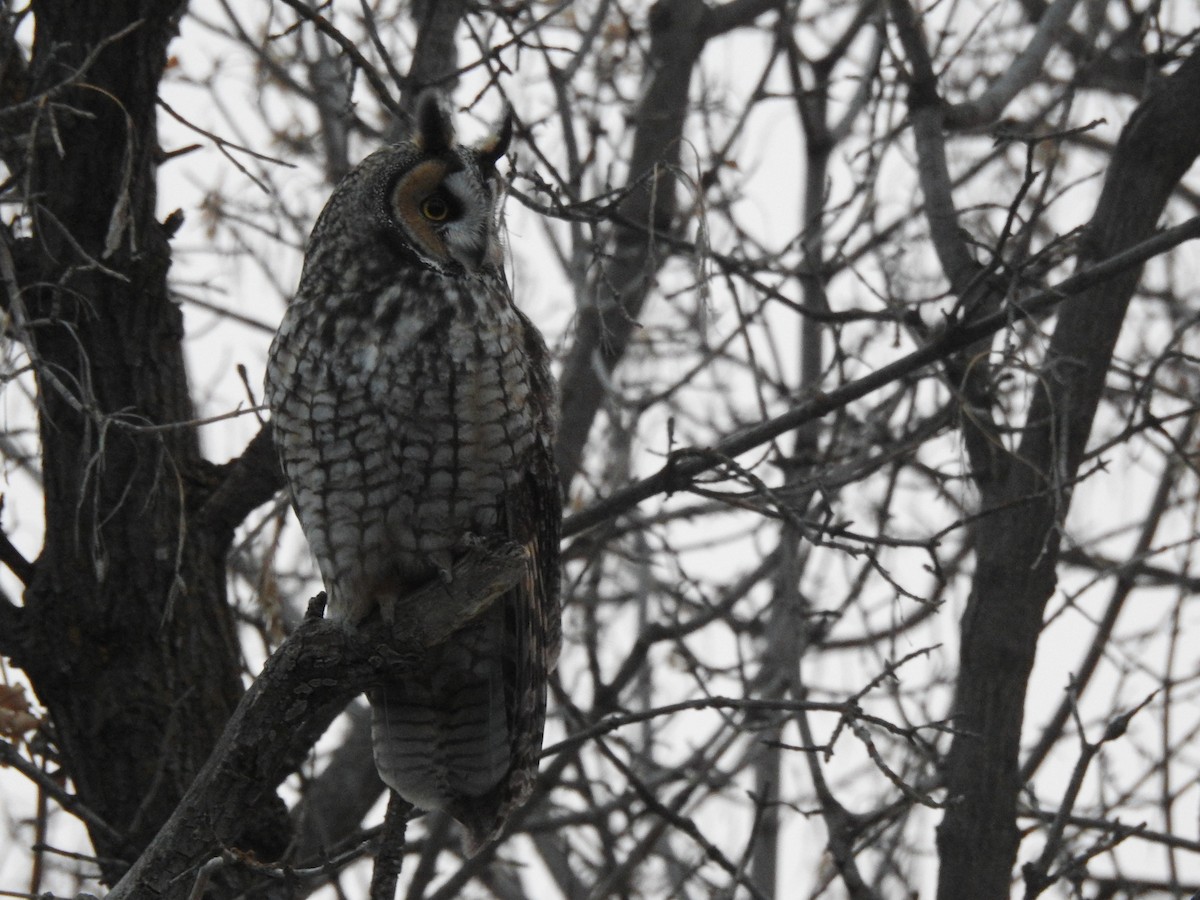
[
  {"x": 305, "y": 683},
  {"x": 483, "y": 574}
]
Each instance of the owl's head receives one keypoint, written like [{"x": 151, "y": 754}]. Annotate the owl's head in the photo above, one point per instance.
[{"x": 438, "y": 199}]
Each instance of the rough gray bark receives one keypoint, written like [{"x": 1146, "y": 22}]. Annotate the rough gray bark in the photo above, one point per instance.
[
  {"x": 125, "y": 630},
  {"x": 1017, "y": 541},
  {"x": 304, "y": 685}
]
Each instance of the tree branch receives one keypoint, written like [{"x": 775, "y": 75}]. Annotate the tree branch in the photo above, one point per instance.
[
  {"x": 16, "y": 562},
  {"x": 10, "y": 756},
  {"x": 382, "y": 92},
  {"x": 685, "y": 464},
  {"x": 390, "y": 857},
  {"x": 247, "y": 482},
  {"x": 435, "y": 56},
  {"x": 12, "y": 619},
  {"x": 1126, "y": 578},
  {"x": 335, "y": 802},
  {"x": 969, "y": 373},
  {"x": 1018, "y": 540},
  {"x": 926, "y": 111},
  {"x": 608, "y": 318},
  {"x": 736, "y": 14},
  {"x": 1027, "y": 65},
  {"x": 309, "y": 679}
]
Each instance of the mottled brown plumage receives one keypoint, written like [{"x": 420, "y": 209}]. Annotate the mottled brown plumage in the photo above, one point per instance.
[{"x": 414, "y": 413}]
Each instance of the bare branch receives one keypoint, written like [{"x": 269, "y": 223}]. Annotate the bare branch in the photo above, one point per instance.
[
  {"x": 10, "y": 756},
  {"x": 382, "y": 92},
  {"x": 1018, "y": 544},
  {"x": 608, "y": 318},
  {"x": 684, "y": 465},
  {"x": 306, "y": 683},
  {"x": 1025, "y": 68},
  {"x": 736, "y": 14},
  {"x": 245, "y": 484}
]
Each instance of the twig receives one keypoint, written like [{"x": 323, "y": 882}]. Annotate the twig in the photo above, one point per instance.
[
  {"x": 39, "y": 101},
  {"x": 12, "y": 557},
  {"x": 382, "y": 92},
  {"x": 621, "y": 720},
  {"x": 679, "y": 471},
  {"x": 11, "y": 757},
  {"x": 1037, "y": 874},
  {"x": 682, "y": 823},
  {"x": 390, "y": 857},
  {"x": 205, "y": 874}
]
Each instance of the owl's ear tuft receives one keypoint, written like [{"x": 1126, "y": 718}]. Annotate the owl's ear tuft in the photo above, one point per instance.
[
  {"x": 496, "y": 146},
  {"x": 435, "y": 130}
]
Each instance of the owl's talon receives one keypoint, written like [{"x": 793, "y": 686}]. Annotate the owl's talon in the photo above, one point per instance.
[{"x": 431, "y": 615}]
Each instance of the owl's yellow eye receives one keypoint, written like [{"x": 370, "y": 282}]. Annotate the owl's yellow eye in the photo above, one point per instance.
[{"x": 435, "y": 208}]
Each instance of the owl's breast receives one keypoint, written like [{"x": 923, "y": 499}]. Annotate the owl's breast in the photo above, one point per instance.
[
  {"x": 462, "y": 424},
  {"x": 401, "y": 441}
]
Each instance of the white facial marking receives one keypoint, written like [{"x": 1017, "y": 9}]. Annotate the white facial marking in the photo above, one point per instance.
[{"x": 470, "y": 236}]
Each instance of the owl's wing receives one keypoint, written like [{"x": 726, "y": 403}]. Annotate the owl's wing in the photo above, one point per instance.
[
  {"x": 546, "y": 487},
  {"x": 532, "y": 636},
  {"x": 466, "y": 734},
  {"x": 532, "y": 517}
]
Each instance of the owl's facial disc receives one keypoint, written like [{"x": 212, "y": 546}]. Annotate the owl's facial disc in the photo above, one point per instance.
[{"x": 447, "y": 215}]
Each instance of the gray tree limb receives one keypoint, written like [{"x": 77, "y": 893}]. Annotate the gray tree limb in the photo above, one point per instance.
[
  {"x": 607, "y": 317},
  {"x": 303, "y": 686},
  {"x": 1018, "y": 541}
]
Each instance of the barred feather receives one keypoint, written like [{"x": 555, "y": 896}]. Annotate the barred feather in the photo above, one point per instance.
[{"x": 414, "y": 413}]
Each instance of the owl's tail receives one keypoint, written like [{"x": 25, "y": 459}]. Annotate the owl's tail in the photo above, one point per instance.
[{"x": 443, "y": 737}]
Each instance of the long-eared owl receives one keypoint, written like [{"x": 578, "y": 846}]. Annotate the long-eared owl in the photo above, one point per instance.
[{"x": 414, "y": 411}]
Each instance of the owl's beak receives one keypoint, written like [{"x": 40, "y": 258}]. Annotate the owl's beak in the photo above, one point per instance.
[
  {"x": 476, "y": 254},
  {"x": 472, "y": 258}
]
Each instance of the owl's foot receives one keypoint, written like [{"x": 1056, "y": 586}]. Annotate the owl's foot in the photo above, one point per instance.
[{"x": 486, "y": 571}]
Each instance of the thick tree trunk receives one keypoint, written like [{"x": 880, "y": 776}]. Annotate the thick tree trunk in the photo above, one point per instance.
[
  {"x": 1018, "y": 541},
  {"x": 125, "y": 632}
]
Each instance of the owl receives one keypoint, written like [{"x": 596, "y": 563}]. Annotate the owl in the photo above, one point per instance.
[{"x": 414, "y": 412}]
